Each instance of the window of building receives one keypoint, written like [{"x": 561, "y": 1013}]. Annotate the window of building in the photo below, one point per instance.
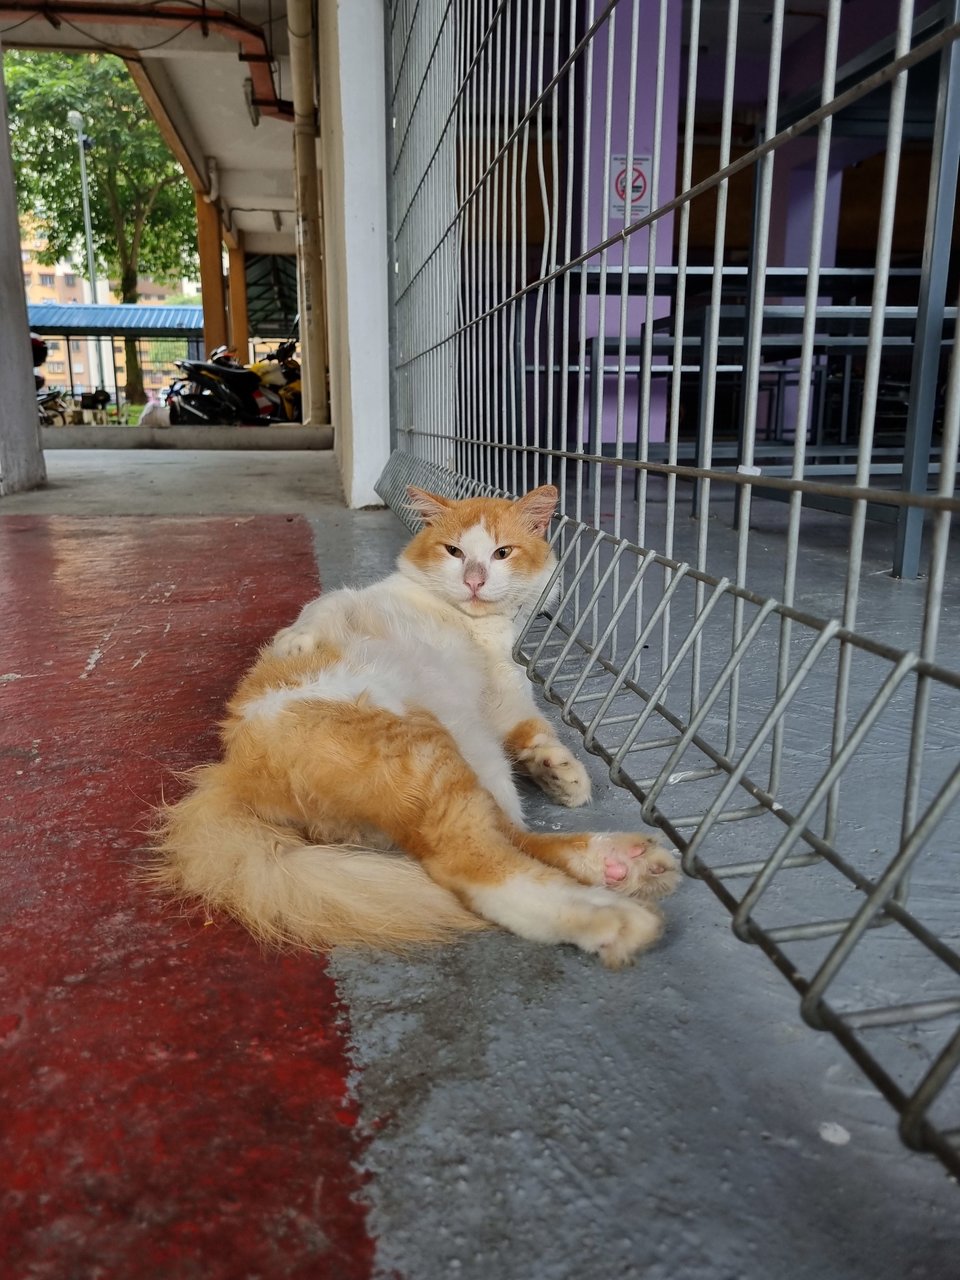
[
  {"x": 46, "y": 280},
  {"x": 69, "y": 280},
  {"x": 75, "y": 345},
  {"x": 27, "y": 277},
  {"x": 53, "y": 346},
  {"x": 55, "y": 366},
  {"x": 24, "y": 255},
  {"x": 79, "y": 367}
]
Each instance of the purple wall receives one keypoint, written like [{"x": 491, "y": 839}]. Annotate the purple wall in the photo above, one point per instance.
[
  {"x": 863, "y": 23},
  {"x": 597, "y": 229}
]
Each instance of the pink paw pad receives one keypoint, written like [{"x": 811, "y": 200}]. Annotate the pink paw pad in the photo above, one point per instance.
[{"x": 613, "y": 871}]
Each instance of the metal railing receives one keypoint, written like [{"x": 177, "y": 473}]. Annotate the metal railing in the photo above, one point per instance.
[
  {"x": 564, "y": 314},
  {"x": 157, "y": 358}
]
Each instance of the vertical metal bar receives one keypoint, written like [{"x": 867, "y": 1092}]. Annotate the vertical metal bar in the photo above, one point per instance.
[
  {"x": 584, "y": 236},
  {"x": 646, "y": 358},
  {"x": 944, "y": 163},
  {"x": 599, "y": 364},
  {"x": 563, "y": 344},
  {"x": 676, "y": 380},
  {"x": 514, "y": 333},
  {"x": 871, "y": 381},
  {"x": 623, "y": 319},
  {"x": 551, "y": 253},
  {"x": 939, "y": 550},
  {"x": 824, "y": 133},
  {"x": 752, "y": 339},
  {"x": 708, "y": 358},
  {"x": 487, "y": 242},
  {"x": 539, "y": 362},
  {"x": 525, "y": 102},
  {"x": 473, "y": 236}
]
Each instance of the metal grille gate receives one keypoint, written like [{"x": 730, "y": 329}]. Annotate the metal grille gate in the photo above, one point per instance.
[{"x": 592, "y": 208}]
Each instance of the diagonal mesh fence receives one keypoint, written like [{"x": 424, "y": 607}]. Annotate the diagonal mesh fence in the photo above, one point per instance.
[{"x": 632, "y": 260}]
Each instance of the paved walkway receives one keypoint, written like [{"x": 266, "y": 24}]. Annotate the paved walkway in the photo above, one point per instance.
[
  {"x": 175, "y": 1103},
  {"x": 187, "y": 482},
  {"x": 178, "y": 1105}
]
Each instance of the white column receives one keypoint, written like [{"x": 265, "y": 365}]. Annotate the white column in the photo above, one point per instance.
[
  {"x": 21, "y": 458},
  {"x": 313, "y": 346},
  {"x": 353, "y": 144}
]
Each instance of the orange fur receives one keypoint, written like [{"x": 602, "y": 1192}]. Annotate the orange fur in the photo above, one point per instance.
[
  {"x": 522, "y": 736},
  {"x": 346, "y": 743}
]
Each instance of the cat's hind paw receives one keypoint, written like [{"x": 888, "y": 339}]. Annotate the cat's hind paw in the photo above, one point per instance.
[
  {"x": 633, "y": 864},
  {"x": 557, "y": 772},
  {"x": 619, "y": 931},
  {"x": 292, "y": 641}
]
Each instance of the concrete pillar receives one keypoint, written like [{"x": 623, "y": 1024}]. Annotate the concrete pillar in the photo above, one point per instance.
[
  {"x": 313, "y": 338},
  {"x": 209, "y": 241},
  {"x": 21, "y": 458},
  {"x": 353, "y": 146},
  {"x": 239, "y": 321}
]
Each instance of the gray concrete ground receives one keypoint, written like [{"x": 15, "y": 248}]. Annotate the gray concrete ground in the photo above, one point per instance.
[
  {"x": 533, "y": 1117},
  {"x": 181, "y": 483},
  {"x": 278, "y": 436}
]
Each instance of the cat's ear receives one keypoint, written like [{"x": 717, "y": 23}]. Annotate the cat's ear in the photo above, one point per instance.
[
  {"x": 428, "y": 506},
  {"x": 536, "y": 508}
]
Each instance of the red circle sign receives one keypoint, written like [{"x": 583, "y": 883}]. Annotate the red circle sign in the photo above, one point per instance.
[{"x": 638, "y": 188}]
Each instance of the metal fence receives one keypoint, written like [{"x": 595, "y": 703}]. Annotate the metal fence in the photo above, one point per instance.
[
  {"x": 633, "y": 258},
  {"x": 74, "y": 361}
]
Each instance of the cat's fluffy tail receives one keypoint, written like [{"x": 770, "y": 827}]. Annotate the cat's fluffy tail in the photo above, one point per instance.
[{"x": 211, "y": 847}]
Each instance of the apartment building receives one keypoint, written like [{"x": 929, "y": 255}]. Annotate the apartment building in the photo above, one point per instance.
[{"x": 73, "y": 363}]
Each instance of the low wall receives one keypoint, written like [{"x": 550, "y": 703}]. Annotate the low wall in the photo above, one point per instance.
[{"x": 97, "y": 437}]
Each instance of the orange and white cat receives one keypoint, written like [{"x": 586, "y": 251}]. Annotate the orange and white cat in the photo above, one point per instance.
[{"x": 367, "y": 789}]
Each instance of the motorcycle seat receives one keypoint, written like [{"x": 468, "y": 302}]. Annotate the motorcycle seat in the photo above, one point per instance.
[{"x": 242, "y": 379}]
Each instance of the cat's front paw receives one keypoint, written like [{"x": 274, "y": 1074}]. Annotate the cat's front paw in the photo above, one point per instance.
[
  {"x": 617, "y": 931},
  {"x": 632, "y": 863},
  {"x": 557, "y": 772},
  {"x": 292, "y": 641}
]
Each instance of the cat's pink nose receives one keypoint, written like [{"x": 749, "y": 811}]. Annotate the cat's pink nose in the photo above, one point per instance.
[{"x": 474, "y": 575}]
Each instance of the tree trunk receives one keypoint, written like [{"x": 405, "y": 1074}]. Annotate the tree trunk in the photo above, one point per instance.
[{"x": 133, "y": 391}]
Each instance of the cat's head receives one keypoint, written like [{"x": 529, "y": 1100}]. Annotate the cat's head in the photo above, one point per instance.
[{"x": 483, "y": 555}]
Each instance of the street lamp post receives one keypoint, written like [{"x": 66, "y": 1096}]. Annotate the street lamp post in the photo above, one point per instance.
[{"x": 75, "y": 120}]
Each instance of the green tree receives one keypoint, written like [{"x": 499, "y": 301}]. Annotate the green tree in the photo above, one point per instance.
[{"x": 141, "y": 204}]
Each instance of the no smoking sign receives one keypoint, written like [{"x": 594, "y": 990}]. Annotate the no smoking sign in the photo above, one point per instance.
[{"x": 639, "y": 170}]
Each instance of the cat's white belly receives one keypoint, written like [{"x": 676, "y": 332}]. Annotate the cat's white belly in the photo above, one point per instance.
[
  {"x": 394, "y": 674},
  {"x": 403, "y": 673}
]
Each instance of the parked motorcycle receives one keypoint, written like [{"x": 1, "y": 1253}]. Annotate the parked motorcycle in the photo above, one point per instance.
[
  {"x": 222, "y": 390},
  {"x": 279, "y": 372},
  {"x": 52, "y": 407}
]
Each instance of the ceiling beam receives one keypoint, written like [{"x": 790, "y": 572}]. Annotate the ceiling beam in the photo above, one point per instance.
[{"x": 162, "y": 103}]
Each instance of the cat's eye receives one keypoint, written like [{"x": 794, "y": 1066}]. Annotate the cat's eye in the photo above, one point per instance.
[
  {"x": 455, "y": 551},
  {"x": 501, "y": 553}
]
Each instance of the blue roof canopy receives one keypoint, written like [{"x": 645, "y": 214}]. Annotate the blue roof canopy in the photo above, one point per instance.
[{"x": 122, "y": 319}]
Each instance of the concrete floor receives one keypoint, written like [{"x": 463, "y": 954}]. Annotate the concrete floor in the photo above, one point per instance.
[
  {"x": 122, "y": 482},
  {"x": 530, "y": 1116}
]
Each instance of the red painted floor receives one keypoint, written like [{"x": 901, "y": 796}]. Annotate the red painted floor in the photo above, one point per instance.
[{"x": 173, "y": 1103}]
